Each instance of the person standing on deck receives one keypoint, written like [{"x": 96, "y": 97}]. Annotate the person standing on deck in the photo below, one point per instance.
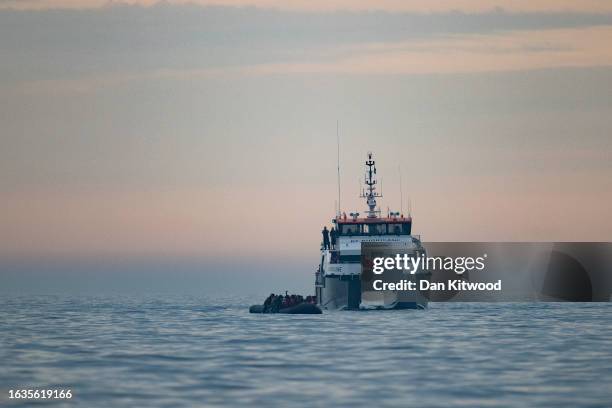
[
  {"x": 333, "y": 235},
  {"x": 325, "y": 233}
]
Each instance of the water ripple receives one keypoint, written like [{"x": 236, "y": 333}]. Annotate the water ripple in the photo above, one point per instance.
[{"x": 189, "y": 351}]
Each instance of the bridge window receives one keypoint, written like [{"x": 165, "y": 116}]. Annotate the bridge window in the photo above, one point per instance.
[
  {"x": 375, "y": 229},
  {"x": 350, "y": 229}
]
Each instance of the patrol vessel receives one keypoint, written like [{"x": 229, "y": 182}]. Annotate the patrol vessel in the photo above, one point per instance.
[{"x": 338, "y": 279}]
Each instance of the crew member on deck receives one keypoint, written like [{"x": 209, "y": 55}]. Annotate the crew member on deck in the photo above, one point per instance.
[
  {"x": 333, "y": 234},
  {"x": 325, "y": 238}
]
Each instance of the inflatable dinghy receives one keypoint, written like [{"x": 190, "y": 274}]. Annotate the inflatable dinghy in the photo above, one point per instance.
[{"x": 302, "y": 308}]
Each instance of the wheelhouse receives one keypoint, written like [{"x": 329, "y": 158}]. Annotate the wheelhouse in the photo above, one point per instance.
[{"x": 373, "y": 226}]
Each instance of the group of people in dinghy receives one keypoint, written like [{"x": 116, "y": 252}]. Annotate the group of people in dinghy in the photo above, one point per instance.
[{"x": 274, "y": 303}]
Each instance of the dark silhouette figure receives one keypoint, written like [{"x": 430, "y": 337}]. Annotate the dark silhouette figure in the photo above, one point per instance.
[
  {"x": 276, "y": 305},
  {"x": 333, "y": 234},
  {"x": 325, "y": 233},
  {"x": 268, "y": 303}
]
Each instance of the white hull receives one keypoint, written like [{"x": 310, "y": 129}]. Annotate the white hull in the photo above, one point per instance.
[
  {"x": 338, "y": 282},
  {"x": 336, "y": 295}
]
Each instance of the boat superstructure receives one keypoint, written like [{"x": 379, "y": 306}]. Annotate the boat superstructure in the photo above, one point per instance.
[{"x": 338, "y": 277}]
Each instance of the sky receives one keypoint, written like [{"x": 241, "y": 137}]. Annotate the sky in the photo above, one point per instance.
[
  {"x": 207, "y": 129},
  {"x": 353, "y": 5}
]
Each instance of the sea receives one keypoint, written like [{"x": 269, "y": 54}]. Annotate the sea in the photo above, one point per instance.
[{"x": 196, "y": 351}]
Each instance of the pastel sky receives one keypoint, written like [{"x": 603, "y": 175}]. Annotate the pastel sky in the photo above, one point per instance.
[
  {"x": 360, "y": 5},
  {"x": 209, "y": 128}
]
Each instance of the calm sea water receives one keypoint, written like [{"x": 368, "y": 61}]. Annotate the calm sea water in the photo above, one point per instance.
[{"x": 189, "y": 351}]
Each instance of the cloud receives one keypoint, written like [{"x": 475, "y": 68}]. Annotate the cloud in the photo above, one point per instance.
[
  {"x": 354, "y": 5},
  {"x": 457, "y": 54},
  {"x": 512, "y": 51},
  {"x": 125, "y": 43}
]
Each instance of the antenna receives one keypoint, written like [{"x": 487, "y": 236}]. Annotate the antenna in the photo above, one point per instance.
[
  {"x": 399, "y": 167},
  {"x": 338, "y": 142},
  {"x": 370, "y": 180}
]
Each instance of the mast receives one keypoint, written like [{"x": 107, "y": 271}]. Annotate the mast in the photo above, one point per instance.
[
  {"x": 399, "y": 167},
  {"x": 370, "y": 194},
  {"x": 338, "y": 142}
]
